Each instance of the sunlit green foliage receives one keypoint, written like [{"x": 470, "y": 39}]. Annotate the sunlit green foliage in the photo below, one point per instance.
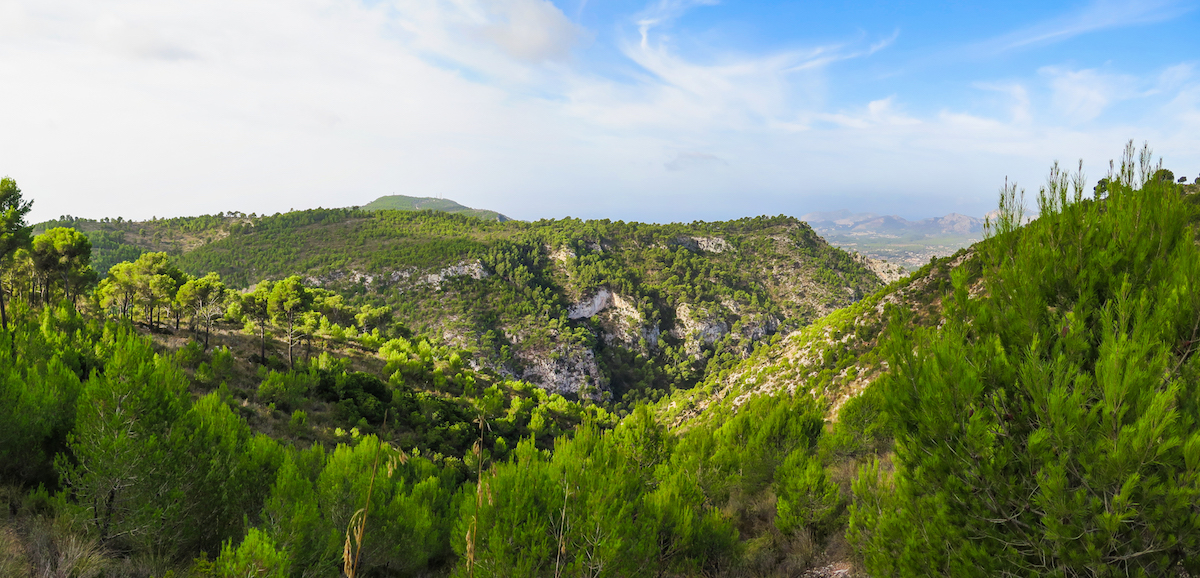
[{"x": 1049, "y": 428}]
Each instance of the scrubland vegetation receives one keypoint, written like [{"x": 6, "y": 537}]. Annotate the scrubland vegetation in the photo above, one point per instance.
[{"x": 1025, "y": 408}]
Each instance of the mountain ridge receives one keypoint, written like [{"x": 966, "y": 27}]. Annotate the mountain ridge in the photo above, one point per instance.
[{"x": 407, "y": 203}]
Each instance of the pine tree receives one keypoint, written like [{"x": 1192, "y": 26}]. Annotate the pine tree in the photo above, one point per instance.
[
  {"x": 14, "y": 233},
  {"x": 1050, "y": 427}
]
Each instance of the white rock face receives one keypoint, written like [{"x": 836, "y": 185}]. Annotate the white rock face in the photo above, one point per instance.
[
  {"x": 590, "y": 306},
  {"x": 351, "y": 276},
  {"x": 712, "y": 244},
  {"x": 697, "y": 332},
  {"x": 562, "y": 255},
  {"x": 623, "y": 323},
  {"x": 473, "y": 269},
  {"x": 565, "y": 370}
]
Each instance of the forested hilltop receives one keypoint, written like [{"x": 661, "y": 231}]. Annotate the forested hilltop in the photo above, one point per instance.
[
  {"x": 406, "y": 203},
  {"x": 1027, "y": 407},
  {"x": 608, "y": 310}
]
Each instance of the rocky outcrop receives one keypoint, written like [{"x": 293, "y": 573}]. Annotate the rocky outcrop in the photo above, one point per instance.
[
  {"x": 697, "y": 330},
  {"x": 340, "y": 277},
  {"x": 618, "y": 318},
  {"x": 712, "y": 244},
  {"x": 703, "y": 244},
  {"x": 624, "y": 324},
  {"x": 562, "y": 255},
  {"x": 590, "y": 306},
  {"x": 472, "y": 269},
  {"x": 887, "y": 272},
  {"x": 565, "y": 369},
  {"x": 757, "y": 327}
]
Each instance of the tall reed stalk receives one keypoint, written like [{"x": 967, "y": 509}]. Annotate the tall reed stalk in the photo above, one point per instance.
[{"x": 352, "y": 552}]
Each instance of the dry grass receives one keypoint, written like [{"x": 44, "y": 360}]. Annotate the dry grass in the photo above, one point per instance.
[
  {"x": 56, "y": 552},
  {"x": 36, "y": 546},
  {"x": 13, "y": 561}
]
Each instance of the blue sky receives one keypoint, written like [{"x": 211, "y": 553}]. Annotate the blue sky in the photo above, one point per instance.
[{"x": 672, "y": 110}]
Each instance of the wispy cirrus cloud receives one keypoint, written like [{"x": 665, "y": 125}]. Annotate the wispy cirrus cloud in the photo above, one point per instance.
[
  {"x": 140, "y": 107},
  {"x": 1096, "y": 16}
]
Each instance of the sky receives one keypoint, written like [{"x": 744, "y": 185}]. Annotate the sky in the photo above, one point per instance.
[{"x": 661, "y": 111}]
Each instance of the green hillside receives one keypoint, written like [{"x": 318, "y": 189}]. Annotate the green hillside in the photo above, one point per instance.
[
  {"x": 1033, "y": 366},
  {"x": 611, "y": 310},
  {"x": 1026, "y": 407},
  {"x": 404, "y": 203}
]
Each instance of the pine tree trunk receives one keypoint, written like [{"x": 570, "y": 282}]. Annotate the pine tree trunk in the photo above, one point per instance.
[
  {"x": 3, "y": 313},
  {"x": 291, "y": 344},
  {"x": 67, "y": 289}
]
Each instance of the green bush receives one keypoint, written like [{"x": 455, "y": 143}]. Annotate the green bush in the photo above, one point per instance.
[
  {"x": 286, "y": 389},
  {"x": 255, "y": 556},
  {"x": 862, "y": 426},
  {"x": 298, "y": 423},
  {"x": 1051, "y": 427},
  {"x": 204, "y": 373},
  {"x": 190, "y": 355},
  {"x": 222, "y": 363},
  {"x": 806, "y": 498}
]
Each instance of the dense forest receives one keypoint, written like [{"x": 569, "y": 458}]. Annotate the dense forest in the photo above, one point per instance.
[
  {"x": 612, "y": 311},
  {"x": 1024, "y": 408}
]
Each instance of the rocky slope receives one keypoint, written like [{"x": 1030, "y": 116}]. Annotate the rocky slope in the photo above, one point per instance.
[
  {"x": 600, "y": 309},
  {"x": 835, "y": 357}
]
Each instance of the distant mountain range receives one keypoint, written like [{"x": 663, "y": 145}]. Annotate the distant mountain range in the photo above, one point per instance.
[
  {"x": 405, "y": 203},
  {"x": 895, "y": 239},
  {"x": 844, "y": 222}
]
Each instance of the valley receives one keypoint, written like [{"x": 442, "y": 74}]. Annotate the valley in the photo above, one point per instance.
[
  {"x": 895, "y": 240},
  {"x": 405, "y": 391}
]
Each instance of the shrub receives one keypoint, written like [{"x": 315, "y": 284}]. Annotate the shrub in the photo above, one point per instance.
[
  {"x": 190, "y": 355},
  {"x": 256, "y": 556},
  {"x": 806, "y": 497},
  {"x": 299, "y": 422},
  {"x": 1050, "y": 427},
  {"x": 222, "y": 363},
  {"x": 287, "y": 389}
]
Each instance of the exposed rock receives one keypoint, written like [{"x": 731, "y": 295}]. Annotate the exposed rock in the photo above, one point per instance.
[
  {"x": 697, "y": 332},
  {"x": 590, "y": 306},
  {"x": 712, "y": 244},
  {"x": 618, "y": 318},
  {"x": 758, "y": 327},
  {"x": 706, "y": 244},
  {"x": 340, "y": 276},
  {"x": 562, "y": 255},
  {"x": 623, "y": 323},
  {"x": 887, "y": 272},
  {"x": 566, "y": 369},
  {"x": 472, "y": 269}
]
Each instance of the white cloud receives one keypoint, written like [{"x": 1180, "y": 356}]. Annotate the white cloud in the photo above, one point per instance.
[
  {"x": 159, "y": 107},
  {"x": 533, "y": 30},
  {"x": 877, "y": 113},
  {"x": 1096, "y": 16},
  {"x": 1020, "y": 108},
  {"x": 662, "y": 11},
  {"x": 1082, "y": 95}
]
